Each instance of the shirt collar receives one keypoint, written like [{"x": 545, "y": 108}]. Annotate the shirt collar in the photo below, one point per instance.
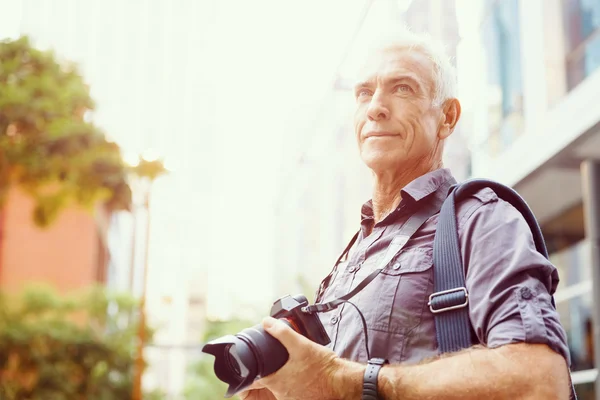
[
  {"x": 426, "y": 184},
  {"x": 416, "y": 190}
]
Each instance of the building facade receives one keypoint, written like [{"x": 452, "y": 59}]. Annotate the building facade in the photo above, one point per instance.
[
  {"x": 70, "y": 254},
  {"x": 529, "y": 82}
]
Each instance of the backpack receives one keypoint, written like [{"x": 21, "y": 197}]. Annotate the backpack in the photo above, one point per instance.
[{"x": 449, "y": 301}]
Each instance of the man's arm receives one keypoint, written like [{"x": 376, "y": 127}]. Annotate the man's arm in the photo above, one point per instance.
[
  {"x": 510, "y": 286},
  {"x": 516, "y": 371}
]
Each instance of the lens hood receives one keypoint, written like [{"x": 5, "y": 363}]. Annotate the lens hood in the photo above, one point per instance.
[{"x": 235, "y": 363}]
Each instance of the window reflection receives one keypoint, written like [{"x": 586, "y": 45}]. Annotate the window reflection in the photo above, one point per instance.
[
  {"x": 573, "y": 264},
  {"x": 585, "y": 391},
  {"x": 582, "y": 18},
  {"x": 574, "y": 302},
  {"x": 576, "y": 318},
  {"x": 501, "y": 37},
  {"x": 582, "y": 31}
]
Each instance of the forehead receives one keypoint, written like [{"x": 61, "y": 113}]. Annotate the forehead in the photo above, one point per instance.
[{"x": 391, "y": 62}]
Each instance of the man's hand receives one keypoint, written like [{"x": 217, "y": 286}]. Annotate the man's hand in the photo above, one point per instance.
[
  {"x": 309, "y": 373},
  {"x": 257, "y": 394},
  {"x": 257, "y": 391}
]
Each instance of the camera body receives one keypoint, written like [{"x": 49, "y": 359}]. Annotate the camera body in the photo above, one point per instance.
[
  {"x": 289, "y": 309},
  {"x": 253, "y": 353}
]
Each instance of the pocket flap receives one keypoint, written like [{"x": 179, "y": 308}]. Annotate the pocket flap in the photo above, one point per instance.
[{"x": 416, "y": 259}]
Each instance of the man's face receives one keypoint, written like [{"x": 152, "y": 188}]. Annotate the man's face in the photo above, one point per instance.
[{"x": 396, "y": 122}]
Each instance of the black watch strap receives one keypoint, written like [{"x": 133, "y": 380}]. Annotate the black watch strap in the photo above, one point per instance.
[{"x": 370, "y": 378}]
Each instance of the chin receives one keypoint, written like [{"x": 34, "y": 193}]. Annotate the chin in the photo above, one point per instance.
[{"x": 382, "y": 161}]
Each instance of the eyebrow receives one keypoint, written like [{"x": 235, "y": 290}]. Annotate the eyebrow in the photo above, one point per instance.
[{"x": 392, "y": 81}]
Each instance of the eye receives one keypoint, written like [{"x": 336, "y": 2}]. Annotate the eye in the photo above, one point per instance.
[
  {"x": 361, "y": 93},
  {"x": 403, "y": 88}
]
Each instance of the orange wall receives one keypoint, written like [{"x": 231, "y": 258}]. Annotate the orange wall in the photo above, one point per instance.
[{"x": 64, "y": 255}]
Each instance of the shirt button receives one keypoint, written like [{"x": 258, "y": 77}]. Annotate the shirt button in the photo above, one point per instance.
[
  {"x": 334, "y": 320},
  {"x": 526, "y": 293},
  {"x": 354, "y": 268},
  {"x": 396, "y": 266}
]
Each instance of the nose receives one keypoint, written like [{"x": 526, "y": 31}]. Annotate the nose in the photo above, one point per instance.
[{"x": 377, "y": 110}]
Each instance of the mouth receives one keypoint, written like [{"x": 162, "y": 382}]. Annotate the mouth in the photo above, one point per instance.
[{"x": 374, "y": 134}]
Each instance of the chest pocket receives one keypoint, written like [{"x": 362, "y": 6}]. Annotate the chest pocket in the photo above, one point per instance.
[{"x": 403, "y": 288}]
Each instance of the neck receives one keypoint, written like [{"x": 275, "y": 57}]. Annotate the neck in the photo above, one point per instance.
[{"x": 388, "y": 186}]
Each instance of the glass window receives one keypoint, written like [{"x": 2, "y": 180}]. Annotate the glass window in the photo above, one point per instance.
[
  {"x": 575, "y": 306},
  {"x": 582, "y": 39},
  {"x": 574, "y": 265},
  {"x": 576, "y": 318},
  {"x": 585, "y": 391},
  {"x": 501, "y": 37}
]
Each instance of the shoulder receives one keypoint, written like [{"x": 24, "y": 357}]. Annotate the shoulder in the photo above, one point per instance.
[
  {"x": 484, "y": 198},
  {"x": 484, "y": 207}
]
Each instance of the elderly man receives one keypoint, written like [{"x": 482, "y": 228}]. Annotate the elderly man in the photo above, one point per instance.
[{"x": 406, "y": 108}]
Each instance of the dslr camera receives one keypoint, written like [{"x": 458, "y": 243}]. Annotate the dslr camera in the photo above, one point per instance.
[{"x": 252, "y": 354}]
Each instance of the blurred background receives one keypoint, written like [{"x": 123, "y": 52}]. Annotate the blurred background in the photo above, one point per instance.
[{"x": 170, "y": 168}]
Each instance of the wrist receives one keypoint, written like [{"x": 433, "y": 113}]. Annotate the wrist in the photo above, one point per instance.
[
  {"x": 347, "y": 380},
  {"x": 391, "y": 382}
]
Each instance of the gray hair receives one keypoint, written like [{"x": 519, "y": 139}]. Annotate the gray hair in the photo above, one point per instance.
[{"x": 444, "y": 71}]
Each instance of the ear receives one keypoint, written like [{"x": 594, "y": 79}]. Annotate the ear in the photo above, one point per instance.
[{"x": 450, "y": 116}]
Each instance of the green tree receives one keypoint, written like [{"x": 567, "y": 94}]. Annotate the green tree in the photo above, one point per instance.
[
  {"x": 46, "y": 145},
  {"x": 66, "y": 347}
]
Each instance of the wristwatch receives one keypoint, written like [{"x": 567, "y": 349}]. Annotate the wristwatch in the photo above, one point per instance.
[{"x": 370, "y": 378}]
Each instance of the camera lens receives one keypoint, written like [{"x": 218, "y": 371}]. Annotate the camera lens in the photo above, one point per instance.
[
  {"x": 241, "y": 359},
  {"x": 236, "y": 365},
  {"x": 233, "y": 364}
]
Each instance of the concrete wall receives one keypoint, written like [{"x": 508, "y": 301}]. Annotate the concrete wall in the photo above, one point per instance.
[{"x": 65, "y": 255}]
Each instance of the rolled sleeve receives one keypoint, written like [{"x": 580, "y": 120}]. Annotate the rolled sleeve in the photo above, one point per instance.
[{"x": 510, "y": 283}]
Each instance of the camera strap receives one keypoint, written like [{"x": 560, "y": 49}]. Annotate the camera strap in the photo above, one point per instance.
[{"x": 410, "y": 227}]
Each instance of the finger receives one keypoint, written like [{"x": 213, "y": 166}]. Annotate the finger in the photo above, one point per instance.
[
  {"x": 282, "y": 332},
  {"x": 244, "y": 395},
  {"x": 256, "y": 385}
]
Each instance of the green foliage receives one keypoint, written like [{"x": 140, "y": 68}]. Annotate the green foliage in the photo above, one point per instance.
[
  {"x": 67, "y": 347},
  {"x": 46, "y": 146},
  {"x": 202, "y": 383}
]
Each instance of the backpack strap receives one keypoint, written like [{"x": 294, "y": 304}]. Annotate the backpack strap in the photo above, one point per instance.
[
  {"x": 509, "y": 195},
  {"x": 449, "y": 302}
]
